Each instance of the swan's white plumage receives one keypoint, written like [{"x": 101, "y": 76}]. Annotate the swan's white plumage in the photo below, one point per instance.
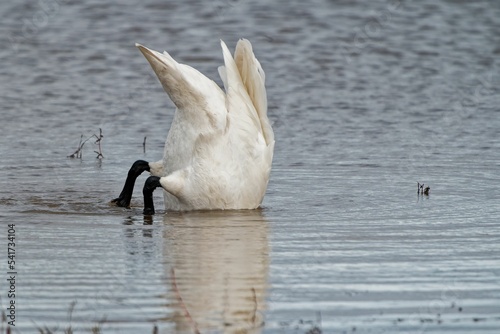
[{"x": 219, "y": 149}]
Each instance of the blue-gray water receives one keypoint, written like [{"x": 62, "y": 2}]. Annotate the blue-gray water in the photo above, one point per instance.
[{"x": 367, "y": 98}]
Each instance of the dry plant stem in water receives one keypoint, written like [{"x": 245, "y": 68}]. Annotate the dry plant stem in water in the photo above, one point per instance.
[
  {"x": 421, "y": 190},
  {"x": 98, "y": 143},
  {"x": 78, "y": 153}
]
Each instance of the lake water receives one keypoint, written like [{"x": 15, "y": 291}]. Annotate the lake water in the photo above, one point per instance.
[{"x": 367, "y": 98}]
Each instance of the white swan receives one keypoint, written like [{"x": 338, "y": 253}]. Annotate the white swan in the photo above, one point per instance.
[{"x": 219, "y": 149}]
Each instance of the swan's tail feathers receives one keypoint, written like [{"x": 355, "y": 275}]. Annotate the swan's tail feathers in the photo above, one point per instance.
[{"x": 254, "y": 80}]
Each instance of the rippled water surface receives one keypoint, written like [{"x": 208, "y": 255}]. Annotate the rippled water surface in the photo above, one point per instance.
[{"x": 367, "y": 98}]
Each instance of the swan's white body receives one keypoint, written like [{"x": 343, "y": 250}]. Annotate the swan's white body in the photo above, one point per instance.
[{"x": 219, "y": 149}]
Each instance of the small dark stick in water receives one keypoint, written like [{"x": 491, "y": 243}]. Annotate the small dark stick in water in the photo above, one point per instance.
[
  {"x": 78, "y": 152},
  {"x": 144, "y": 144},
  {"x": 421, "y": 190},
  {"x": 98, "y": 143},
  {"x": 426, "y": 191}
]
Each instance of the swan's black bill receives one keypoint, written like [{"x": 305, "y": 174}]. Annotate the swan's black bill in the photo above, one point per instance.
[
  {"x": 150, "y": 185},
  {"x": 126, "y": 195}
]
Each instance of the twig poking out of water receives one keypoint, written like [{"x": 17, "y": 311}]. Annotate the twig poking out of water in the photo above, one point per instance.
[
  {"x": 96, "y": 329},
  {"x": 4, "y": 321},
  {"x": 426, "y": 190},
  {"x": 72, "y": 305},
  {"x": 315, "y": 330},
  {"x": 318, "y": 318},
  {"x": 98, "y": 143},
  {"x": 421, "y": 190},
  {"x": 78, "y": 153},
  {"x": 144, "y": 144},
  {"x": 67, "y": 330},
  {"x": 315, "y": 327},
  {"x": 155, "y": 329}
]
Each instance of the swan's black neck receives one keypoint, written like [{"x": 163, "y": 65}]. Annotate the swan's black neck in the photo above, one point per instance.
[
  {"x": 126, "y": 195},
  {"x": 150, "y": 185}
]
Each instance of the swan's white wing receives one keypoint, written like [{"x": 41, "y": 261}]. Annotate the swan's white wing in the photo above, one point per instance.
[{"x": 195, "y": 95}]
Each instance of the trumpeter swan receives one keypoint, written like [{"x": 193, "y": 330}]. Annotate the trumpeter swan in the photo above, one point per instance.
[{"x": 220, "y": 145}]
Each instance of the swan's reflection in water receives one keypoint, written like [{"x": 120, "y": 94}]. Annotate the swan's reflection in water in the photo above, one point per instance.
[{"x": 217, "y": 263}]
